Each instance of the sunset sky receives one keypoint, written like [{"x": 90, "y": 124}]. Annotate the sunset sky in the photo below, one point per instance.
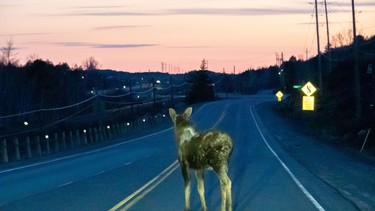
[{"x": 138, "y": 35}]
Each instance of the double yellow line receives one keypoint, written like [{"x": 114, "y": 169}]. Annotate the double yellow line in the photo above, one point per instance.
[
  {"x": 137, "y": 195},
  {"x": 133, "y": 198}
]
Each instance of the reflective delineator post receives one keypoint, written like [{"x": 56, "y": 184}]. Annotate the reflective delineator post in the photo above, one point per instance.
[
  {"x": 38, "y": 146},
  {"x": 28, "y": 147},
  {"x": 4, "y": 151}
]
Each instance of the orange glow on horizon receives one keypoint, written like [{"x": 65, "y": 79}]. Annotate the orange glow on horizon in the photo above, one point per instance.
[{"x": 138, "y": 36}]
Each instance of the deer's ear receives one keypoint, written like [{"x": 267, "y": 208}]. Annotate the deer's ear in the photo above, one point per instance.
[
  {"x": 187, "y": 112},
  {"x": 172, "y": 114}
]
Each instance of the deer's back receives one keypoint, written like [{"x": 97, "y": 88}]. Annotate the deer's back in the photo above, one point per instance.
[{"x": 210, "y": 149}]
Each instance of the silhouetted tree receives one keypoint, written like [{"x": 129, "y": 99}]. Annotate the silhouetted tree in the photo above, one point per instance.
[
  {"x": 202, "y": 88},
  {"x": 203, "y": 65},
  {"x": 91, "y": 64},
  {"x": 8, "y": 54}
]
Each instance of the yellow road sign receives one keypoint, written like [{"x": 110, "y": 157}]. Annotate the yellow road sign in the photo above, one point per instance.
[
  {"x": 279, "y": 95},
  {"x": 308, "y": 103},
  {"x": 308, "y": 89}
]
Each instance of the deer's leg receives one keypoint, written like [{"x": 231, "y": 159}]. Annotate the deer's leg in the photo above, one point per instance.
[
  {"x": 200, "y": 178},
  {"x": 229, "y": 192},
  {"x": 226, "y": 193},
  {"x": 186, "y": 175}
]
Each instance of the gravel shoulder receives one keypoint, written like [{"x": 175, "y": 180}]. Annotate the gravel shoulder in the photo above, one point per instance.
[{"x": 348, "y": 171}]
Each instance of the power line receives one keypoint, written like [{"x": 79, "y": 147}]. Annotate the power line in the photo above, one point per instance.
[{"x": 48, "y": 109}]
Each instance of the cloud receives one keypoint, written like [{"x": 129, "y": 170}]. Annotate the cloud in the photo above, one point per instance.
[
  {"x": 97, "y": 7},
  {"x": 191, "y": 47},
  {"x": 112, "y": 10},
  {"x": 123, "y": 45},
  {"x": 200, "y": 11},
  {"x": 110, "y": 14},
  {"x": 348, "y": 4},
  {"x": 73, "y": 44},
  {"x": 238, "y": 11},
  {"x": 96, "y": 45},
  {"x": 23, "y": 34},
  {"x": 118, "y": 27}
]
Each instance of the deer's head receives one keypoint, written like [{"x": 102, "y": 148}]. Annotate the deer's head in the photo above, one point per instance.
[
  {"x": 183, "y": 128},
  {"x": 179, "y": 119}
]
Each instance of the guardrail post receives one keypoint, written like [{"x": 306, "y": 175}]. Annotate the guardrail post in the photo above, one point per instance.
[
  {"x": 4, "y": 151},
  {"x": 63, "y": 140},
  {"x": 38, "y": 146},
  {"x": 103, "y": 132},
  {"x": 128, "y": 127},
  {"x": 96, "y": 134},
  {"x": 84, "y": 136},
  {"x": 71, "y": 139},
  {"x": 118, "y": 128},
  {"x": 123, "y": 128},
  {"x": 48, "y": 149},
  {"x": 90, "y": 135},
  {"x": 56, "y": 142},
  {"x": 109, "y": 132},
  {"x": 28, "y": 147},
  {"x": 16, "y": 148},
  {"x": 78, "y": 141}
]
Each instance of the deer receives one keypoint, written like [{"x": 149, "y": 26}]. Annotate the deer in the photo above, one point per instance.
[{"x": 196, "y": 151}]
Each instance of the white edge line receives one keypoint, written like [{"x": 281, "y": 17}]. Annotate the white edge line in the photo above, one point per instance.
[{"x": 294, "y": 178}]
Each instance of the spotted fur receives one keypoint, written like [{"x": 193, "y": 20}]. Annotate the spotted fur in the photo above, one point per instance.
[{"x": 200, "y": 151}]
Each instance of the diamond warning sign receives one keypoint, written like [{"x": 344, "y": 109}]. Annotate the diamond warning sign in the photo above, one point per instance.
[
  {"x": 308, "y": 89},
  {"x": 279, "y": 95}
]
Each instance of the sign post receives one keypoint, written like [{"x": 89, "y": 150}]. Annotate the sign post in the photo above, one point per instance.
[
  {"x": 279, "y": 95},
  {"x": 308, "y": 101}
]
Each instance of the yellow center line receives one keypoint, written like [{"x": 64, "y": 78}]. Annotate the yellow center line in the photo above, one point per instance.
[{"x": 173, "y": 166}]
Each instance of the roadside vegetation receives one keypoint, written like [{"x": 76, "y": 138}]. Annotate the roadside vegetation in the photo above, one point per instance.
[
  {"x": 335, "y": 117},
  {"x": 39, "y": 84}
]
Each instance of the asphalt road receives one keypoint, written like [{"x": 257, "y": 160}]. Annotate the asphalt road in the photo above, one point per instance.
[{"x": 142, "y": 174}]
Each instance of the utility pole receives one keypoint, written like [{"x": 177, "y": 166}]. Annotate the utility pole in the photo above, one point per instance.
[
  {"x": 357, "y": 93},
  {"x": 328, "y": 42},
  {"x": 277, "y": 59},
  {"x": 319, "y": 55}
]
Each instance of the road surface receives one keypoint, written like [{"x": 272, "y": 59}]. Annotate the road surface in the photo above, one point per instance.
[{"x": 143, "y": 174}]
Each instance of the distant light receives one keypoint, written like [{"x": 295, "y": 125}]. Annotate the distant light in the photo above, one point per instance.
[
  {"x": 108, "y": 127},
  {"x": 144, "y": 120},
  {"x": 124, "y": 87},
  {"x": 128, "y": 124},
  {"x": 138, "y": 96},
  {"x": 84, "y": 131},
  {"x": 46, "y": 136},
  {"x": 158, "y": 81},
  {"x": 26, "y": 123},
  {"x": 83, "y": 77},
  {"x": 92, "y": 92},
  {"x": 163, "y": 115}
]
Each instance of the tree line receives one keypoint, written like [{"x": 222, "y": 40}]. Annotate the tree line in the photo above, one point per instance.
[{"x": 335, "y": 103}]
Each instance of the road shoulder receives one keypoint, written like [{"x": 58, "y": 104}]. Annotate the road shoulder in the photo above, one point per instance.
[{"x": 351, "y": 173}]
